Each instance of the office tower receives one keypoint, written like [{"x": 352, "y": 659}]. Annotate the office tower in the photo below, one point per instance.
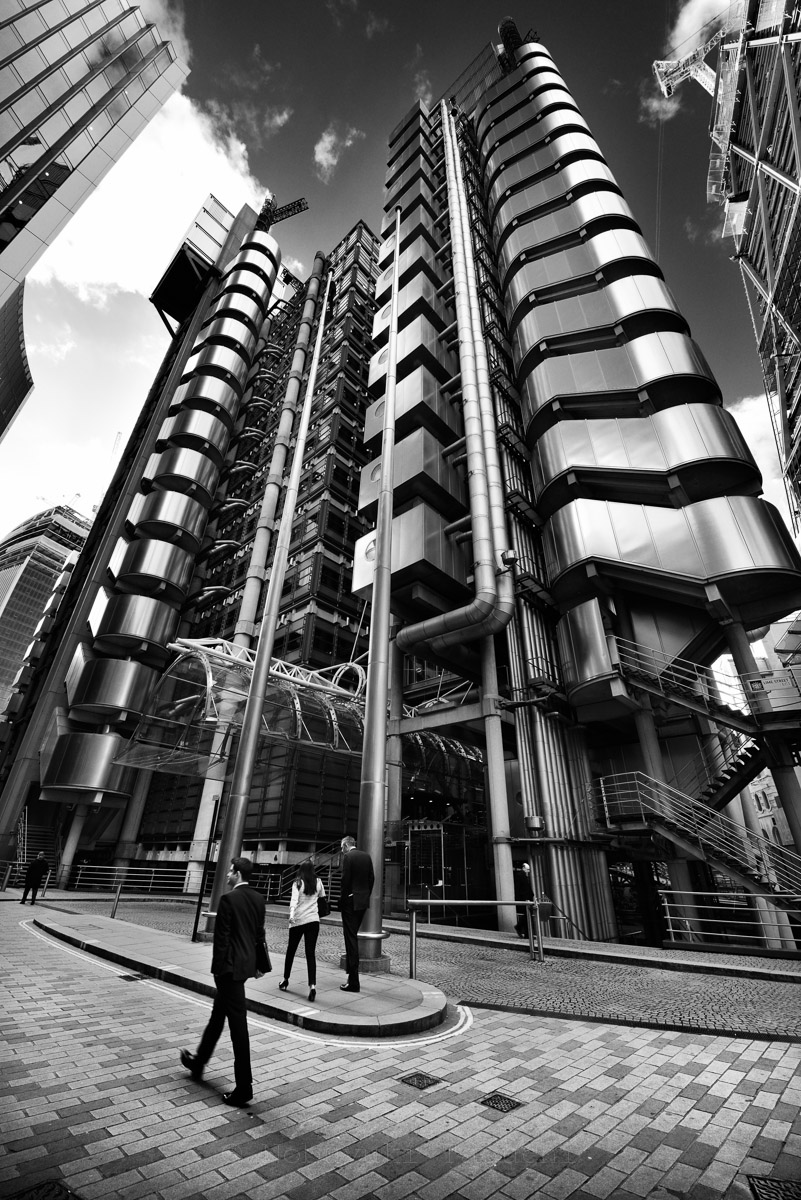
[
  {"x": 755, "y": 175},
  {"x": 577, "y": 536},
  {"x": 572, "y": 500},
  {"x": 302, "y": 795},
  {"x": 32, "y": 557},
  {"x": 78, "y": 81}
]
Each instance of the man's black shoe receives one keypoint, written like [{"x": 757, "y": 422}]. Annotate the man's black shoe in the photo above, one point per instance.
[
  {"x": 238, "y": 1099},
  {"x": 189, "y": 1061},
  {"x": 346, "y": 987}
]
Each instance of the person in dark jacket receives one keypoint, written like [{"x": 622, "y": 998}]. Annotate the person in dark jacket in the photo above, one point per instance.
[
  {"x": 523, "y": 891},
  {"x": 238, "y": 929},
  {"x": 34, "y": 876},
  {"x": 358, "y": 878}
]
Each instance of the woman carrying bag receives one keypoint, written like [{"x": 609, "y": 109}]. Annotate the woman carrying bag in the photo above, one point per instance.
[{"x": 304, "y": 922}]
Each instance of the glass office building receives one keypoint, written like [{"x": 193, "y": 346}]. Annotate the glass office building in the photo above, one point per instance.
[{"x": 78, "y": 81}]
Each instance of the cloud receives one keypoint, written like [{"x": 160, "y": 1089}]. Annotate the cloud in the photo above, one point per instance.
[
  {"x": 330, "y": 147},
  {"x": 753, "y": 417},
  {"x": 376, "y": 25},
  {"x": 170, "y": 17},
  {"x": 59, "y": 347},
  {"x": 422, "y": 80},
  {"x": 654, "y": 107},
  {"x": 124, "y": 236},
  {"x": 694, "y": 24},
  {"x": 246, "y": 114},
  {"x": 339, "y": 9}
]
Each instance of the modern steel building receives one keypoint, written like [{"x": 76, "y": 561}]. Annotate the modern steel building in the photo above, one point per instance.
[
  {"x": 578, "y": 529},
  {"x": 32, "y": 558},
  {"x": 755, "y": 175},
  {"x": 577, "y": 537},
  {"x": 79, "y": 79}
]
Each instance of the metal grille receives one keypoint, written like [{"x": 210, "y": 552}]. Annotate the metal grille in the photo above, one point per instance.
[
  {"x": 774, "y": 1189},
  {"x": 500, "y": 1102},
  {"x": 132, "y": 978},
  {"x": 419, "y": 1079},
  {"x": 46, "y": 1189}
]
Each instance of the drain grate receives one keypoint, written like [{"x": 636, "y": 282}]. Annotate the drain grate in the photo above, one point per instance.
[
  {"x": 46, "y": 1189},
  {"x": 419, "y": 1079},
  {"x": 774, "y": 1189},
  {"x": 500, "y": 1103},
  {"x": 132, "y": 978}
]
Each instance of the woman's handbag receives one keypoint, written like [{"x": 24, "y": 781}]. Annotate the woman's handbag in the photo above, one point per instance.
[
  {"x": 323, "y": 907},
  {"x": 263, "y": 964}
]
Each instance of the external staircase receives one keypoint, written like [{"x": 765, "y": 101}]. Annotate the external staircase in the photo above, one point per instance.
[
  {"x": 632, "y": 801},
  {"x": 326, "y": 864}
]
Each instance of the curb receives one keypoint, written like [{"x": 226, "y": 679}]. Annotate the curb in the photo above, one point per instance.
[{"x": 434, "y": 1003}]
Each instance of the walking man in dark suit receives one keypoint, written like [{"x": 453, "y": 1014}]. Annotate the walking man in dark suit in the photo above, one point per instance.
[
  {"x": 238, "y": 929},
  {"x": 358, "y": 878},
  {"x": 33, "y": 877}
]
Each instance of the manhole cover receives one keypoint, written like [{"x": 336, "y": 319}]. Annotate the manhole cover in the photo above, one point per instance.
[
  {"x": 500, "y": 1102},
  {"x": 774, "y": 1189},
  {"x": 48, "y": 1189},
  {"x": 420, "y": 1080},
  {"x": 132, "y": 978}
]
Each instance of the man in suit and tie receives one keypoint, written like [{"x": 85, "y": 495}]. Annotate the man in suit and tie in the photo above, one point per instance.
[
  {"x": 358, "y": 878},
  {"x": 238, "y": 929}
]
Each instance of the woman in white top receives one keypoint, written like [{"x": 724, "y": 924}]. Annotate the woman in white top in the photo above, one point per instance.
[{"x": 304, "y": 922}]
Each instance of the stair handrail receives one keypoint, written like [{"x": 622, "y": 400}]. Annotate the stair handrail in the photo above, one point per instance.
[
  {"x": 707, "y": 766},
  {"x": 288, "y": 874},
  {"x": 711, "y": 689},
  {"x": 634, "y": 793}
]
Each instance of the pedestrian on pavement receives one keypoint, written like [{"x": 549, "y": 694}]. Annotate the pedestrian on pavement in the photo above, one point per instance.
[
  {"x": 358, "y": 878},
  {"x": 523, "y": 891},
  {"x": 37, "y": 869},
  {"x": 238, "y": 930},
  {"x": 304, "y": 922}
]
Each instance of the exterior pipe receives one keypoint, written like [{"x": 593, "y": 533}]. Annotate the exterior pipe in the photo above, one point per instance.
[
  {"x": 245, "y": 626},
  {"x": 373, "y": 789},
  {"x": 480, "y": 617},
  {"x": 244, "y": 767}
]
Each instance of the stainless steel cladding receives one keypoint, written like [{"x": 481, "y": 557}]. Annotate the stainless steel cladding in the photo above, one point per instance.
[
  {"x": 138, "y": 626},
  {"x": 111, "y": 690}
]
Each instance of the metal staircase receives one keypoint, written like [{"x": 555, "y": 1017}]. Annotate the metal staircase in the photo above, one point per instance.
[
  {"x": 633, "y": 800},
  {"x": 326, "y": 864},
  {"x": 721, "y": 770},
  {"x": 710, "y": 693}
]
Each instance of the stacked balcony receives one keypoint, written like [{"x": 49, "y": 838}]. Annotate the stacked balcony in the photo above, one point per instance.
[
  {"x": 646, "y": 485},
  {"x": 151, "y": 571},
  {"x": 430, "y": 566}
]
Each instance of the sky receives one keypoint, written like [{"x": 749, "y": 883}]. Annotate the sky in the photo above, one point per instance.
[{"x": 298, "y": 97}]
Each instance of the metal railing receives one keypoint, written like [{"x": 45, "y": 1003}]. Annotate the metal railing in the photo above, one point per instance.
[
  {"x": 749, "y": 920},
  {"x": 634, "y": 796},
  {"x": 536, "y": 949}
]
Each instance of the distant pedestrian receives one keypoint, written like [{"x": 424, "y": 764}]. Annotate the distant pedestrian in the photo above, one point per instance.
[
  {"x": 238, "y": 930},
  {"x": 304, "y": 922},
  {"x": 33, "y": 877},
  {"x": 523, "y": 891},
  {"x": 358, "y": 878}
]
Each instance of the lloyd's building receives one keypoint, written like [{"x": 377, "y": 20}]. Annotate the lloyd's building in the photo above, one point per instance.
[{"x": 577, "y": 537}]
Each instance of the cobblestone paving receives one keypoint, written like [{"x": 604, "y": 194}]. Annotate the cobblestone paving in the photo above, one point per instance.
[
  {"x": 507, "y": 978},
  {"x": 91, "y": 1094}
]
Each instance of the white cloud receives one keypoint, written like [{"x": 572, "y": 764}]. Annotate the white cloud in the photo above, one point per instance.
[
  {"x": 57, "y": 348},
  {"x": 330, "y": 147},
  {"x": 376, "y": 25},
  {"x": 170, "y": 17},
  {"x": 422, "y": 80},
  {"x": 695, "y": 21},
  {"x": 126, "y": 233},
  {"x": 753, "y": 418}
]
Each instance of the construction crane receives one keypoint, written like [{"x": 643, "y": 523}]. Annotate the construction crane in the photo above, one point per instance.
[
  {"x": 271, "y": 214},
  {"x": 673, "y": 71}
]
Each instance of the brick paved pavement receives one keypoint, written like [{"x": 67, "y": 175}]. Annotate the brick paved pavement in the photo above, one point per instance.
[
  {"x": 90, "y": 1093},
  {"x": 625, "y": 991}
]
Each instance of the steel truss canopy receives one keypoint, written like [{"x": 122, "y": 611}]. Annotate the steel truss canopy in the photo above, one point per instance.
[
  {"x": 198, "y": 703},
  {"x": 196, "y": 709}
]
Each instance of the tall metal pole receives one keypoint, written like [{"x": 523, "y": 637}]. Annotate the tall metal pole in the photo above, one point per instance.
[
  {"x": 242, "y": 779},
  {"x": 372, "y": 794}
]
